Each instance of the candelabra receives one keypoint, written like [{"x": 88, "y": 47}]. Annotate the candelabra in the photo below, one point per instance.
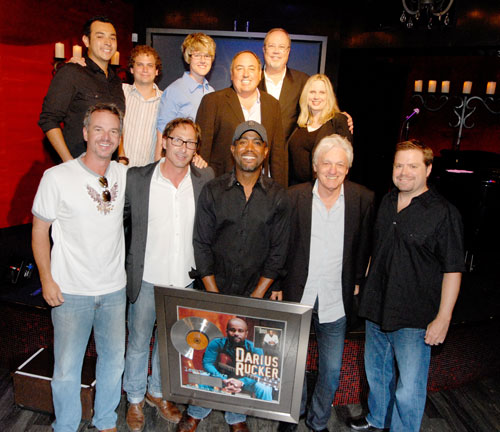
[{"x": 464, "y": 105}]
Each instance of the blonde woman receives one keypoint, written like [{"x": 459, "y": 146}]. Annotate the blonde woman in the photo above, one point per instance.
[{"x": 320, "y": 116}]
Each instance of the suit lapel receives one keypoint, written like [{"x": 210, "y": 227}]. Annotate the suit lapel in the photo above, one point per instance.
[
  {"x": 287, "y": 85},
  {"x": 197, "y": 183},
  {"x": 305, "y": 219},
  {"x": 350, "y": 219},
  {"x": 234, "y": 104}
]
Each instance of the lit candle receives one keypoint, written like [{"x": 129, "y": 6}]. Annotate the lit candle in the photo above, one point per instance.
[
  {"x": 467, "y": 87},
  {"x": 59, "y": 50},
  {"x": 491, "y": 87},
  {"x": 432, "y": 86},
  {"x": 445, "y": 87},
  {"x": 77, "y": 51},
  {"x": 418, "y": 86},
  {"x": 115, "y": 60}
]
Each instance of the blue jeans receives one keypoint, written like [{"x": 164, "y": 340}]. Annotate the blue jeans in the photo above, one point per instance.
[
  {"x": 73, "y": 322},
  {"x": 330, "y": 338},
  {"x": 199, "y": 412},
  {"x": 141, "y": 322},
  {"x": 394, "y": 401}
]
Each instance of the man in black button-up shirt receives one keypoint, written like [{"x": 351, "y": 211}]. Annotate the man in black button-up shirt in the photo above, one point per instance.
[
  {"x": 240, "y": 235},
  {"x": 75, "y": 88},
  {"x": 410, "y": 293}
]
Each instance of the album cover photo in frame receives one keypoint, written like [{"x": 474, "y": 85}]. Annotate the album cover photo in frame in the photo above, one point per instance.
[{"x": 232, "y": 353}]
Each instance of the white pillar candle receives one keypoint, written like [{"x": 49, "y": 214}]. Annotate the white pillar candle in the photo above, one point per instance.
[
  {"x": 467, "y": 87},
  {"x": 59, "y": 50},
  {"x": 491, "y": 87},
  {"x": 418, "y": 86},
  {"x": 445, "y": 87},
  {"x": 77, "y": 51},
  {"x": 432, "y": 86}
]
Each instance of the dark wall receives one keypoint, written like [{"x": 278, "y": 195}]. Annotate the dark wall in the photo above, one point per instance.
[
  {"x": 372, "y": 60},
  {"x": 28, "y": 32}
]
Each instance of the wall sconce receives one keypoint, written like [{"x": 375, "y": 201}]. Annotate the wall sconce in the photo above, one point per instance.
[{"x": 464, "y": 106}]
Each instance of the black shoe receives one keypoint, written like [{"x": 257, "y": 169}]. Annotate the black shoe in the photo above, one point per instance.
[
  {"x": 287, "y": 427},
  {"x": 361, "y": 424}
]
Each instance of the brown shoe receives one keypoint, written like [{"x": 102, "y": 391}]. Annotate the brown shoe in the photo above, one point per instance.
[
  {"x": 187, "y": 423},
  {"x": 166, "y": 409},
  {"x": 135, "y": 417},
  {"x": 239, "y": 427}
]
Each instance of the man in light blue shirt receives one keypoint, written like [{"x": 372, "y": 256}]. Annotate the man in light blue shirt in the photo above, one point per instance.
[{"x": 182, "y": 98}]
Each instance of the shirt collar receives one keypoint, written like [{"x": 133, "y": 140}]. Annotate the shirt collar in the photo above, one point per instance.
[
  {"x": 92, "y": 65},
  {"x": 159, "y": 176},
  {"x": 157, "y": 91},
  {"x": 234, "y": 181},
  {"x": 269, "y": 79},
  {"x": 315, "y": 190},
  {"x": 192, "y": 85}
]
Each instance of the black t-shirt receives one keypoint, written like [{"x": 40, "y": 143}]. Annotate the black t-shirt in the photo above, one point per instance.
[{"x": 412, "y": 250}]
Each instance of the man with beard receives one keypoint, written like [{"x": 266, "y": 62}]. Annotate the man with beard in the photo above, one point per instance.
[
  {"x": 223, "y": 350},
  {"x": 240, "y": 236}
]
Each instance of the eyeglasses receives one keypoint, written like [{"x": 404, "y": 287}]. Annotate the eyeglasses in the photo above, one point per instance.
[
  {"x": 280, "y": 48},
  {"x": 178, "y": 142},
  {"x": 199, "y": 56},
  {"x": 106, "y": 194}
]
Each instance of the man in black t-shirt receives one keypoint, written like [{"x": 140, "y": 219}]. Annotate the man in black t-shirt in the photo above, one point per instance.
[
  {"x": 410, "y": 293},
  {"x": 76, "y": 88}
]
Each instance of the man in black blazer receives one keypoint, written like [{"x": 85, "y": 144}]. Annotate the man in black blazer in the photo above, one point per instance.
[
  {"x": 160, "y": 202},
  {"x": 279, "y": 81},
  {"x": 327, "y": 260},
  {"x": 222, "y": 111}
]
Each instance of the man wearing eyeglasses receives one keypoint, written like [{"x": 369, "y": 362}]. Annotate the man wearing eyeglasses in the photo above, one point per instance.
[
  {"x": 240, "y": 236},
  {"x": 281, "y": 82},
  {"x": 83, "y": 277},
  {"x": 182, "y": 98},
  {"x": 160, "y": 204}
]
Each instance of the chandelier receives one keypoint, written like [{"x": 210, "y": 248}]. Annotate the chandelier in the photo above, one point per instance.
[{"x": 427, "y": 11}]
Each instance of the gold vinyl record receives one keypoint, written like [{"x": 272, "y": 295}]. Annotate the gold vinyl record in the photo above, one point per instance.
[{"x": 193, "y": 334}]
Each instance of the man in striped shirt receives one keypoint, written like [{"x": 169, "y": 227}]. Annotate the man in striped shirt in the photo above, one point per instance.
[{"x": 142, "y": 99}]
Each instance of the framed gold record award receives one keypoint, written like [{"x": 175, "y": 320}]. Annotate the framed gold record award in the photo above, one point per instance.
[{"x": 231, "y": 353}]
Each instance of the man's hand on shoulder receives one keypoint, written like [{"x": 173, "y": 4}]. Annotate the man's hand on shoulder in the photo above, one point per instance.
[
  {"x": 52, "y": 294},
  {"x": 199, "y": 162},
  {"x": 77, "y": 60},
  {"x": 350, "y": 123}
]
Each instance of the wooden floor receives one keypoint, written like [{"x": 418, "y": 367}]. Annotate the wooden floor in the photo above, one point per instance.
[{"x": 471, "y": 408}]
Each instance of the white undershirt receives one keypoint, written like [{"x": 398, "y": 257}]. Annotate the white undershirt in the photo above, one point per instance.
[
  {"x": 274, "y": 89},
  {"x": 169, "y": 247}
]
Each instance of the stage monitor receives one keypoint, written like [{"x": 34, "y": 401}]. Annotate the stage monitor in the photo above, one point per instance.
[{"x": 308, "y": 53}]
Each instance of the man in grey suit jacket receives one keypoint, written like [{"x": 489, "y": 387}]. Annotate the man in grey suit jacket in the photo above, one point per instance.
[
  {"x": 327, "y": 260},
  {"x": 160, "y": 202},
  {"x": 222, "y": 111}
]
